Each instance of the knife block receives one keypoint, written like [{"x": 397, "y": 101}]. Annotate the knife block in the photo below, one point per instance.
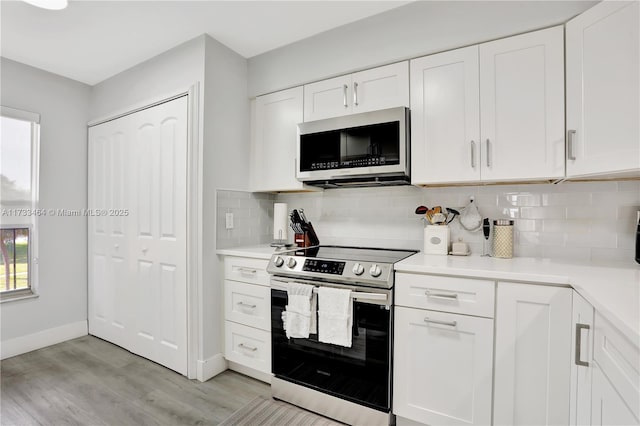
[{"x": 302, "y": 240}]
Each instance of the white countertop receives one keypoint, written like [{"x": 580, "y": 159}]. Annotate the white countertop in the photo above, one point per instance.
[
  {"x": 262, "y": 251},
  {"x": 613, "y": 290}
]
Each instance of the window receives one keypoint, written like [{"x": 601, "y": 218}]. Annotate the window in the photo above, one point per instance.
[{"x": 19, "y": 152}]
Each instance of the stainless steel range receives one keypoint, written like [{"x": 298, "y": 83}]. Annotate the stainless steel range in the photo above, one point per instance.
[{"x": 349, "y": 384}]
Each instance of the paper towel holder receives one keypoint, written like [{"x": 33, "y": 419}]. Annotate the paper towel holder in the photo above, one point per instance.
[{"x": 280, "y": 226}]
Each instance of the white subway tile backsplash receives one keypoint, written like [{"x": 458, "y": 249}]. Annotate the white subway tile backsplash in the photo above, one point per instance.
[{"x": 572, "y": 220}]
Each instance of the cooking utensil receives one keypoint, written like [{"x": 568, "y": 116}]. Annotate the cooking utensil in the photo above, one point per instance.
[
  {"x": 451, "y": 214},
  {"x": 421, "y": 210}
]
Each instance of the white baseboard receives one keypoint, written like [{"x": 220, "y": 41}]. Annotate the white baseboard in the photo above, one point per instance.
[
  {"x": 211, "y": 367},
  {"x": 41, "y": 339}
]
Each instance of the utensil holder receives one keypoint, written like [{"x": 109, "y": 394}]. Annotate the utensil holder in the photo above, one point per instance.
[{"x": 436, "y": 239}]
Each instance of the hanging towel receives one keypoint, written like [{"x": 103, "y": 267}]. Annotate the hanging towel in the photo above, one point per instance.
[
  {"x": 296, "y": 317},
  {"x": 335, "y": 316}
]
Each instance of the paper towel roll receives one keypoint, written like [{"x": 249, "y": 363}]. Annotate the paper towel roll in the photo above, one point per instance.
[{"x": 280, "y": 221}]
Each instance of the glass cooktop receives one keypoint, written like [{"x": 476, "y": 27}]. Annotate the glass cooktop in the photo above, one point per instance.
[{"x": 358, "y": 254}]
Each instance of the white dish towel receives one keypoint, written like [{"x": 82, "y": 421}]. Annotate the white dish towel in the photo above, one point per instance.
[
  {"x": 296, "y": 318},
  {"x": 335, "y": 316}
]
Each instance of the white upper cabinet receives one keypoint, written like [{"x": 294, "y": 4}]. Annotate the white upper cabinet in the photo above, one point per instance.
[
  {"x": 493, "y": 112},
  {"x": 522, "y": 106},
  {"x": 377, "y": 88},
  {"x": 274, "y": 139},
  {"x": 603, "y": 90},
  {"x": 381, "y": 88},
  {"x": 445, "y": 117}
]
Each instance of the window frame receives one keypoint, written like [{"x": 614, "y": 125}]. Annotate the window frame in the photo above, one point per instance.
[{"x": 34, "y": 222}]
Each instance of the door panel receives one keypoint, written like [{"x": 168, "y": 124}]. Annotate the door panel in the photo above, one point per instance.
[
  {"x": 137, "y": 272},
  {"x": 381, "y": 88},
  {"x": 603, "y": 89},
  {"x": 328, "y": 98},
  {"x": 445, "y": 117},
  {"x": 532, "y": 369},
  {"x": 522, "y": 106}
]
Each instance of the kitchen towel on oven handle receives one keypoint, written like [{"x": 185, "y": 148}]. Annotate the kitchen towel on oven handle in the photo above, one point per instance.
[
  {"x": 335, "y": 316},
  {"x": 297, "y": 318}
]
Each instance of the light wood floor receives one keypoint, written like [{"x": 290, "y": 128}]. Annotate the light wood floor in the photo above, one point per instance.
[{"x": 88, "y": 381}]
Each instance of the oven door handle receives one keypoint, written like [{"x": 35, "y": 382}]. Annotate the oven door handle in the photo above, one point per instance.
[{"x": 359, "y": 295}]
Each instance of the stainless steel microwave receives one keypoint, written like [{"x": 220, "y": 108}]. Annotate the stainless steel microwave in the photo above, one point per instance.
[{"x": 365, "y": 149}]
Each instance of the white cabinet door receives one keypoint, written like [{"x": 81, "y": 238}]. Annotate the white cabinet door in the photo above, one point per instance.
[
  {"x": 381, "y": 88},
  {"x": 603, "y": 90},
  {"x": 275, "y": 135},
  {"x": 445, "y": 117},
  {"x": 109, "y": 288},
  {"x": 532, "y": 360},
  {"x": 442, "y": 367},
  {"x": 582, "y": 359},
  {"x": 608, "y": 408},
  {"x": 137, "y": 267},
  {"x": 328, "y": 98},
  {"x": 522, "y": 106},
  {"x": 158, "y": 200}
]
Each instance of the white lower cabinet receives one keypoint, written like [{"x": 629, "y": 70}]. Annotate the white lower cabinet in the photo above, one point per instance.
[
  {"x": 607, "y": 407},
  {"x": 247, "y": 313},
  {"x": 581, "y": 361},
  {"x": 442, "y": 367},
  {"x": 532, "y": 355}
]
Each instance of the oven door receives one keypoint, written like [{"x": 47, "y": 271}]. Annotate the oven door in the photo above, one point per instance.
[{"x": 361, "y": 373}]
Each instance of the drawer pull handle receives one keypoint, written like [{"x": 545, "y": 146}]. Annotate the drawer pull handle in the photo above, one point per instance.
[
  {"x": 251, "y": 348},
  {"x": 246, "y": 305},
  {"x": 449, "y": 323},
  {"x": 579, "y": 328},
  {"x": 441, "y": 295},
  {"x": 247, "y": 270}
]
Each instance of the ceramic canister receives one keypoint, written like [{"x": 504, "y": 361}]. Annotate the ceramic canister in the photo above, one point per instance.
[{"x": 503, "y": 238}]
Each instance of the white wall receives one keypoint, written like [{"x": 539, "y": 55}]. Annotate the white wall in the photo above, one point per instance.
[
  {"x": 223, "y": 135},
  {"x": 417, "y": 29},
  {"x": 226, "y": 165},
  {"x": 63, "y": 107}
]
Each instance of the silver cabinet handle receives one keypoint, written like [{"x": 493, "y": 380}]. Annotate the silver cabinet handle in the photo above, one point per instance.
[
  {"x": 355, "y": 94},
  {"x": 449, "y": 323},
  {"x": 251, "y": 348},
  {"x": 488, "y": 153},
  {"x": 246, "y": 305},
  {"x": 441, "y": 295},
  {"x": 579, "y": 328},
  {"x": 344, "y": 95},
  {"x": 247, "y": 270},
  {"x": 473, "y": 155},
  {"x": 570, "y": 136}
]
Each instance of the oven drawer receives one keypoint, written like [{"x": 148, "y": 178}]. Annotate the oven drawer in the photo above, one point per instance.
[
  {"x": 446, "y": 294},
  {"x": 248, "y": 346},
  {"x": 247, "y": 270},
  {"x": 247, "y": 304},
  {"x": 619, "y": 360}
]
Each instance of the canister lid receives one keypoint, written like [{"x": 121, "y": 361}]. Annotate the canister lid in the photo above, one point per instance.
[{"x": 503, "y": 222}]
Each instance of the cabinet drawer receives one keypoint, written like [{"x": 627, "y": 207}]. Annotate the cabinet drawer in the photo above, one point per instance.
[
  {"x": 247, "y": 304},
  {"x": 247, "y": 270},
  {"x": 248, "y": 346},
  {"x": 446, "y": 294},
  {"x": 619, "y": 360}
]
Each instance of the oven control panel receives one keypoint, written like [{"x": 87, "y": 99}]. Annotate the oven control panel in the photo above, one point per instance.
[{"x": 323, "y": 266}]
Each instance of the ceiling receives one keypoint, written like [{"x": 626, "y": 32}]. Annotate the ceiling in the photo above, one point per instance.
[{"x": 93, "y": 40}]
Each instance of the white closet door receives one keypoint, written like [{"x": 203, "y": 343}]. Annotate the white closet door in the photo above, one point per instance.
[
  {"x": 158, "y": 233},
  {"x": 137, "y": 267},
  {"x": 108, "y": 246}
]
